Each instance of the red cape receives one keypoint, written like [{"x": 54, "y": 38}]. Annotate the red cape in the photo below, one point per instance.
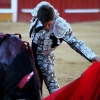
[{"x": 86, "y": 87}]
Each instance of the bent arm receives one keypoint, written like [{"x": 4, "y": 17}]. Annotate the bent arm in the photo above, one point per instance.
[{"x": 79, "y": 47}]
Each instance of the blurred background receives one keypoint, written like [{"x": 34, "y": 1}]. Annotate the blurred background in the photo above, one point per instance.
[{"x": 71, "y": 10}]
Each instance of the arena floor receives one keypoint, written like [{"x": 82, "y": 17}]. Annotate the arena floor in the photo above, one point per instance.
[{"x": 69, "y": 65}]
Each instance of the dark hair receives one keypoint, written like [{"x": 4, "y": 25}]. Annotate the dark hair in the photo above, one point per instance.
[{"x": 45, "y": 13}]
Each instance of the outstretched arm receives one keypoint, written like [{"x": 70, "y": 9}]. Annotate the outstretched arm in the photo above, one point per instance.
[
  {"x": 62, "y": 29},
  {"x": 81, "y": 48}
]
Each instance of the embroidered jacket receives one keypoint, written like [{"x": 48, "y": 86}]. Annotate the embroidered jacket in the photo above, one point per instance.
[{"x": 47, "y": 41}]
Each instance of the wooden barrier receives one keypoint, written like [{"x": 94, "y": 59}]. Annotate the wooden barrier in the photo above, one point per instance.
[{"x": 6, "y": 17}]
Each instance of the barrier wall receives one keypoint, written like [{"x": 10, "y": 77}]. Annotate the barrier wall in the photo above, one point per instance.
[
  {"x": 71, "y": 10},
  {"x": 8, "y": 10}
]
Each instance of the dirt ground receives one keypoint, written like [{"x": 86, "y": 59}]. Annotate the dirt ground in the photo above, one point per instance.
[{"x": 69, "y": 65}]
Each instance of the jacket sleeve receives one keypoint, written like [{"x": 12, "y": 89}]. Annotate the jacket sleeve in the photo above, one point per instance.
[{"x": 79, "y": 47}]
